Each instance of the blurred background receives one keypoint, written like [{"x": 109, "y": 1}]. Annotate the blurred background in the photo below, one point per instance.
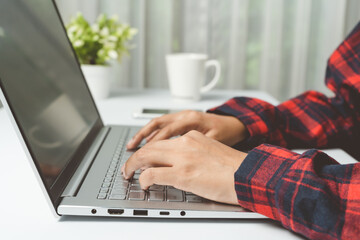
[{"x": 278, "y": 46}]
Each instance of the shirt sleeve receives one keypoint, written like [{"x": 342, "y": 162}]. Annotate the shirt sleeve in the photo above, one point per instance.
[
  {"x": 310, "y": 194},
  {"x": 311, "y": 119}
]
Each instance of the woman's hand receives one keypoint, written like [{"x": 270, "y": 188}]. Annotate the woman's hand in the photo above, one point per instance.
[
  {"x": 226, "y": 129},
  {"x": 192, "y": 162}
]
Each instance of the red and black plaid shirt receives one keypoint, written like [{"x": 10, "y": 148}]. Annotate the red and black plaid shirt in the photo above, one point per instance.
[{"x": 311, "y": 193}]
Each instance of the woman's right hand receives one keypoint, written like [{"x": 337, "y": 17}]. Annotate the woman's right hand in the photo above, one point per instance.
[{"x": 226, "y": 129}]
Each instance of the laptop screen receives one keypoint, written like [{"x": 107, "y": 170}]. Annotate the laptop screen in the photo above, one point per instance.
[{"x": 43, "y": 84}]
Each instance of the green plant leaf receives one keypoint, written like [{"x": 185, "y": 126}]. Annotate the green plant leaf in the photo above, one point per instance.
[{"x": 96, "y": 44}]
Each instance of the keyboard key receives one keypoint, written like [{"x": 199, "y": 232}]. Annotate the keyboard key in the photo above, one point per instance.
[
  {"x": 134, "y": 188},
  {"x": 120, "y": 179},
  {"x": 105, "y": 185},
  {"x": 137, "y": 196},
  {"x": 104, "y": 190},
  {"x": 174, "y": 195},
  {"x": 157, "y": 188},
  {"x": 117, "y": 197},
  {"x": 135, "y": 182},
  {"x": 109, "y": 175},
  {"x": 101, "y": 195},
  {"x": 119, "y": 188},
  {"x": 121, "y": 185},
  {"x": 119, "y": 176},
  {"x": 118, "y": 191},
  {"x": 136, "y": 176},
  {"x": 156, "y": 196},
  {"x": 193, "y": 199}
]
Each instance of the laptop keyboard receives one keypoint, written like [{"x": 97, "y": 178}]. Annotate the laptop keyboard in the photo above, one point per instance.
[{"x": 115, "y": 187}]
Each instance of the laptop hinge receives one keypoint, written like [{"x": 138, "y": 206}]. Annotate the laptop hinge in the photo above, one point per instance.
[{"x": 78, "y": 177}]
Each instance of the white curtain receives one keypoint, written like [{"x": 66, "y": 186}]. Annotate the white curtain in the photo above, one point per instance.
[{"x": 279, "y": 46}]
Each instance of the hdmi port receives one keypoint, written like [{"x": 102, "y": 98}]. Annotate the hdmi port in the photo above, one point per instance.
[{"x": 115, "y": 211}]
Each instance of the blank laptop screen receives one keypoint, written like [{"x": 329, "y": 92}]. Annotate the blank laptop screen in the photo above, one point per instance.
[{"x": 43, "y": 84}]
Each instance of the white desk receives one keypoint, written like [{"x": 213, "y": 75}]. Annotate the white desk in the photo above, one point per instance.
[{"x": 24, "y": 213}]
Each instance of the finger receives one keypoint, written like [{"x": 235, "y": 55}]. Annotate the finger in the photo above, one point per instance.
[
  {"x": 144, "y": 132},
  {"x": 159, "y": 176},
  {"x": 149, "y": 128},
  {"x": 154, "y": 155},
  {"x": 194, "y": 134},
  {"x": 148, "y": 139},
  {"x": 172, "y": 130},
  {"x": 211, "y": 134}
]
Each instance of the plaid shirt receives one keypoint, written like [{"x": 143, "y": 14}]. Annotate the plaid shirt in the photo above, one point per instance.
[{"x": 311, "y": 193}]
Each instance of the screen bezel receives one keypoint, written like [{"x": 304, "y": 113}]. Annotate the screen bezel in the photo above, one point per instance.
[{"x": 56, "y": 189}]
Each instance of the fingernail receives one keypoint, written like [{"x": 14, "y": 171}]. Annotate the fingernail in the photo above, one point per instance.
[{"x": 131, "y": 141}]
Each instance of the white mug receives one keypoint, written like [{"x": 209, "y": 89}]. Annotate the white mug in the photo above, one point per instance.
[{"x": 186, "y": 74}]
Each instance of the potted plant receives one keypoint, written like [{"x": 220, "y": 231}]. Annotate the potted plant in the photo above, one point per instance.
[{"x": 95, "y": 45}]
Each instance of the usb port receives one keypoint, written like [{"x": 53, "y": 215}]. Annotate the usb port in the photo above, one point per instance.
[{"x": 140, "y": 212}]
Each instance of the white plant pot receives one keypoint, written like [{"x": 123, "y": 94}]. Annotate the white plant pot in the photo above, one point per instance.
[{"x": 98, "y": 80}]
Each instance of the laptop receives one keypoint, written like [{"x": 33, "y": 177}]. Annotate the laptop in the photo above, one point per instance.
[{"x": 75, "y": 158}]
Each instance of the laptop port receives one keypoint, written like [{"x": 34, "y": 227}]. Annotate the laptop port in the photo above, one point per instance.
[
  {"x": 164, "y": 213},
  {"x": 140, "y": 212},
  {"x": 115, "y": 211}
]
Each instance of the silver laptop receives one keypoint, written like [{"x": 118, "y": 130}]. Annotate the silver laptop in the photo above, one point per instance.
[{"x": 74, "y": 156}]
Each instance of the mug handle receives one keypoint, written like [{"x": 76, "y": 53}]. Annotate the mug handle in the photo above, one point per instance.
[{"x": 215, "y": 79}]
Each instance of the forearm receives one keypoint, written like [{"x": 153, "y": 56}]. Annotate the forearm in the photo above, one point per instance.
[
  {"x": 311, "y": 119},
  {"x": 309, "y": 194},
  {"x": 307, "y": 121}
]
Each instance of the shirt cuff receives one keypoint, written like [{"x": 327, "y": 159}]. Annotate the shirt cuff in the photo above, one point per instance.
[
  {"x": 247, "y": 111},
  {"x": 257, "y": 178}
]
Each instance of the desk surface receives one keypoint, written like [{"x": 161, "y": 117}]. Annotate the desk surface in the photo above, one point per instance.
[{"x": 26, "y": 215}]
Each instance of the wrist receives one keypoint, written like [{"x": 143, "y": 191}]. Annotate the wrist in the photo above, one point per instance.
[
  {"x": 239, "y": 160},
  {"x": 233, "y": 130},
  {"x": 238, "y": 130}
]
